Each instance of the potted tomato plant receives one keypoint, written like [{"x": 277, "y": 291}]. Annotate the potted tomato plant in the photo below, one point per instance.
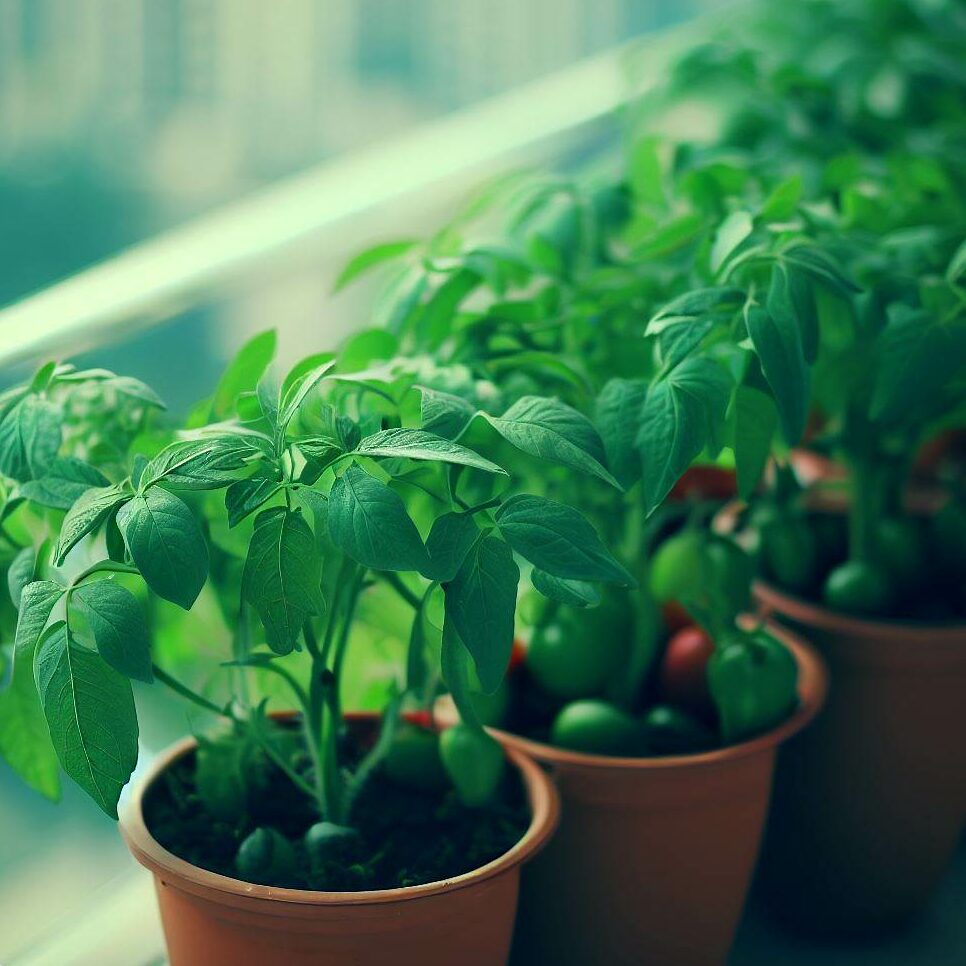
[
  {"x": 866, "y": 563},
  {"x": 294, "y": 832},
  {"x": 646, "y": 305}
]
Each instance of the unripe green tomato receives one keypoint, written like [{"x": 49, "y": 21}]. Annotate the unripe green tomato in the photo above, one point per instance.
[
  {"x": 731, "y": 571},
  {"x": 328, "y": 842},
  {"x": 474, "y": 763},
  {"x": 413, "y": 759},
  {"x": 265, "y": 856},
  {"x": 671, "y": 731},
  {"x": 857, "y": 587},
  {"x": 574, "y": 653},
  {"x": 675, "y": 572},
  {"x": 596, "y": 728}
]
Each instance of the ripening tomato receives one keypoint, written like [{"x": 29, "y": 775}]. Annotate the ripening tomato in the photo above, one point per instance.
[
  {"x": 683, "y": 674},
  {"x": 705, "y": 483}
]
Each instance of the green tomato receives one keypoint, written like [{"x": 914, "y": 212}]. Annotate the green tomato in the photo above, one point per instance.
[
  {"x": 265, "y": 856},
  {"x": 789, "y": 553},
  {"x": 413, "y": 759},
  {"x": 575, "y": 653},
  {"x": 675, "y": 572},
  {"x": 597, "y": 728},
  {"x": 857, "y": 587},
  {"x": 474, "y": 762},
  {"x": 730, "y": 571},
  {"x": 671, "y": 731},
  {"x": 327, "y": 842}
]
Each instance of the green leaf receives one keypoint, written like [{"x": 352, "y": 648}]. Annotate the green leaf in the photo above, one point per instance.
[
  {"x": 817, "y": 263},
  {"x": 682, "y": 414},
  {"x": 370, "y": 258},
  {"x": 86, "y": 515},
  {"x": 552, "y": 430},
  {"x": 782, "y": 203},
  {"x": 117, "y": 623},
  {"x": 778, "y": 343},
  {"x": 66, "y": 480},
  {"x": 956, "y": 269},
  {"x": 558, "y": 539},
  {"x": 444, "y": 414},
  {"x": 24, "y": 741},
  {"x": 619, "y": 408},
  {"x": 297, "y": 393},
  {"x": 369, "y": 522},
  {"x": 451, "y": 538},
  {"x": 480, "y": 603},
  {"x": 434, "y": 321},
  {"x": 29, "y": 438},
  {"x": 166, "y": 544},
  {"x": 756, "y": 420},
  {"x": 283, "y": 575},
  {"x": 416, "y": 444},
  {"x": 677, "y": 342},
  {"x": 243, "y": 373},
  {"x": 577, "y": 593},
  {"x": 917, "y": 356},
  {"x": 720, "y": 301},
  {"x": 90, "y": 715},
  {"x": 199, "y": 464},
  {"x": 246, "y": 496},
  {"x": 456, "y": 668},
  {"x": 730, "y": 234},
  {"x": 21, "y": 573}
]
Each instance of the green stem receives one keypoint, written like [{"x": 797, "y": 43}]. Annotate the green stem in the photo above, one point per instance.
[
  {"x": 179, "y": 688},
  {"x": 397, "y": 585}
]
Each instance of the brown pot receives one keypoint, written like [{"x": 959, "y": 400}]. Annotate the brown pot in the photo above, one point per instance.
[
  {"x": 654, "y": 856},
  {"x": 214, "y": 920},
  {"x": 871, "y": 800}
]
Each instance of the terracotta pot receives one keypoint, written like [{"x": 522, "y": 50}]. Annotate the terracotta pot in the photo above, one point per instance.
[
  {"x": 214, "y": 920},
  {"x": 871, "y": 800},
  {"x": 654, "y": 856}
]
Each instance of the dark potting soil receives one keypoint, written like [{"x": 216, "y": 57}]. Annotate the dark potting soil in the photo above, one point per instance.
[{"x": 410, "y": 837}]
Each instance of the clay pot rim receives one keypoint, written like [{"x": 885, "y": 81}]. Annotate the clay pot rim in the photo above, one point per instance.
[
  {"x": 812, "y": 689},
  {"x": 542, "y": 795},
  {"x": 807, "y": 612}
]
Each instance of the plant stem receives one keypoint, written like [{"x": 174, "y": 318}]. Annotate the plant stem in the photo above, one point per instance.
[
  {"x": 397, "y": 585},
  {"x": 179, "y": 688}
]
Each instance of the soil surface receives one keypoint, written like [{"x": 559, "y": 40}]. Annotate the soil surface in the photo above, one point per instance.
[{"x": 409, "y": 837}]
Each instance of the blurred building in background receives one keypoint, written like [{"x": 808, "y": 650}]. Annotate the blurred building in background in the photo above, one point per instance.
[{"x": 122, "y": 117}]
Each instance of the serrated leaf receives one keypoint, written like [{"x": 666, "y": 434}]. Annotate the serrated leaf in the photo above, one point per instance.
[
  {"x": 756, "y": 420},
  {"x": 64, "y": 482},
  {"x": 29, "y": 438},
  {"x": 619, "y": 408},
  {"x": 682, "y": 414},
  {"x": 90, "y": 714},
  {"x": 369, "y": 522},
  {"x": 444, "y": 414},
  {"x": 451, "y": 538},
  {"x": 116, "y": 621},
  {"x": 371, "y": 258},
  {"x": 283, "y": 576},
  {"x": 86, "y": 515},
  {"x": 558, "y": 539},
  {"x": 417, "y": 444},
  {"x": 778, "y": 343},
  {"x": 578, "y": 593},
  {"x": 166, "y": 544},
  {"x": 553, "y": 431},
  {"x": 480, "y": 603}
]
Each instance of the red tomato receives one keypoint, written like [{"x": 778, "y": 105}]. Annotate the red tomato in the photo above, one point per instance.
[
  {"x": 705, "y": 483},
  {"x": 675, "y": 617},
  {"x": 518, "y": 654},
  {"x": 420, "y": 718},
  {"x": 683, "y": 678}
]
